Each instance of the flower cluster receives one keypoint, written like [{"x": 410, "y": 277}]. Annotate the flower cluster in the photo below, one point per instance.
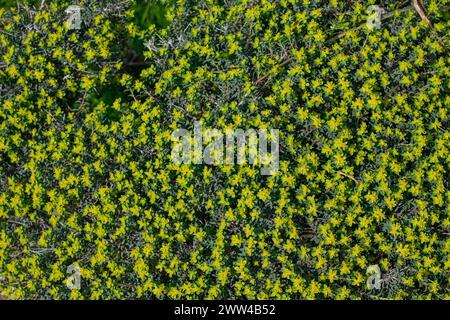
[{"x": 363, "y": 170}]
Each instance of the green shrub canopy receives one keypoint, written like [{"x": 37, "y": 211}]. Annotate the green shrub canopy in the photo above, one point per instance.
[{"x": 86, "y": 177}]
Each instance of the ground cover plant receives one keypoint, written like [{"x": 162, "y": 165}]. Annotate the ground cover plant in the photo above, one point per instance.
[{"x": 87, "y": 182}]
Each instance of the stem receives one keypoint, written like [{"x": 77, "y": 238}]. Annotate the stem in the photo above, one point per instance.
[{"x": 348, "y": 176}]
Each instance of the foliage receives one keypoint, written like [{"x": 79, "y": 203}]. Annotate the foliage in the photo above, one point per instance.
[{"x": 363, "y": 176}]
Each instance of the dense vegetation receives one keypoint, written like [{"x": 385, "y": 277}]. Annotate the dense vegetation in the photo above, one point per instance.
[{"x": 86, "y": 176}]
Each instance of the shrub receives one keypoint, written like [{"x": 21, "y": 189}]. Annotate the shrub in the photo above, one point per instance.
[{"x": 364, "y": 157}]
